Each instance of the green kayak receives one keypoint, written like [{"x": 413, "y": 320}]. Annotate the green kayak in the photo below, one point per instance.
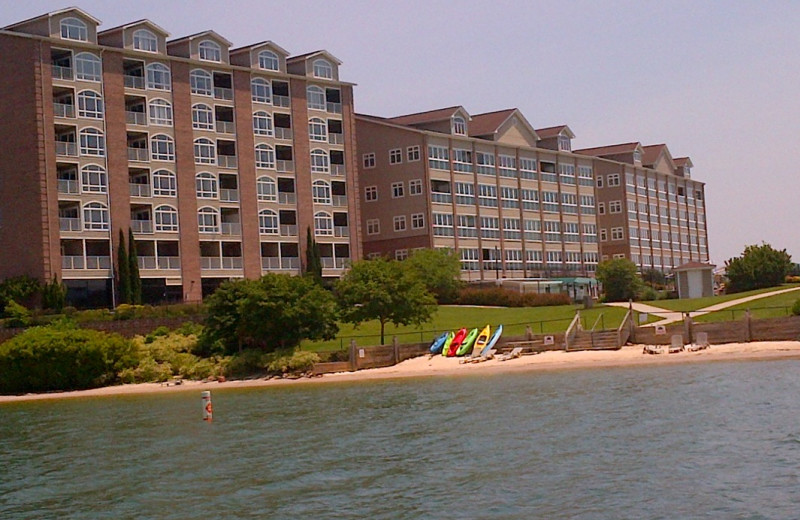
[{"x": 467, "y": 345}]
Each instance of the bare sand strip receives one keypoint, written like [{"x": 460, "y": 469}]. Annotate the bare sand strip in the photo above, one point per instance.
[{"x": 424, "y": 366}]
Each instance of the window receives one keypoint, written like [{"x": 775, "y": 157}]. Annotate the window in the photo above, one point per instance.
[
  {"x": 160, "y": 112},
  {"x": 552, "y": 231},
  {"x": 400, "y": 254},
  {"x": 206, "y": 186},
  {"x": 569, "y": 203},
  {"x": 487, "y": 195},
  {"x": 554, "y": 257},
  {"x": 144, "y": 40},
  {"x": 459, "y": 126},
  {"x": 527, "y": 168},
  {"x": 415, "y": 187},
  {"x": 613, "y": 180},
  {"x": 165, "y": 184},
  {"x": 201, "y": 83},
  {"x": 265, "y": 156},
  {"x": 95, "y": 217},
  {"x": 599, "y": 181},
  {"x": 262, "y": 124},
  {"x": 509, "y": 196},
  {"x": 316, "y": 98},
  {"x": 511, "y": 229},
  {"x": 166, "y": 218},
  {"x": 442, "y": 224},
  {"x": 571, "y": 232},
  {"x": 438, "y": 157},
  {"x": 204, "y": 151},
  {"x": 462, "y": 160},
  {"x": 260, "y": 91},
  {"x": 469, "y": 259},
  {"x": 585, "y": 177},
  {"x": 267, "y": 222},
  {"x": 323, "y": 223},
  {"x": 371, "y": 193},
  {"x": 267, "y": 189},
  {"x": 94, "y": 179},
  {"x": 162, "y": 148},
  {"x": 564, "y": 143},
  {"x": 587, "y": 205},
  {"x": 617, "y": 233},
  {"x": 90, "y": 104},
  {"x": 412, "y": 153},
  {"x": 615, "y": 206},
  {"x": 202, "y": 117},
  {"x": 320, "y": 162},
  {"x": 399, "y": 223},
  {"x": 601, "y": 207},
  {"x": 88, "y": 67},
  {"x": 603, "y": 235},
  {"x": 74, "y": 29},
  {"x": 92, "y": 142},
  {"x": 466, "y": 226},
  {"x": 533, "y": 230},
  {"x": 322, "y": 69},
  {"x": 465, "y": 193},
  {"x": 321, "y": 192},
  {"x": 530, "y": 199},
  {"x": 395, "y": 156},
  {"x": 507, "y": 166},
  {"x": 550, "y": 201},
  {"x": 317, "y": 129},
  {"x": 397, "y": 190},
  {"x": 590, "y": 233},
  {"x": 368, "y": 160},
  {"x": 268, "y": 60},
  {"x": 373, "y": 226},
  {"x": 485, "y": 163},
  {"x": 209, "y": 51},
  {"x": 490, "y": 227},
  {"x": 637, "y": 156},
  {"x": 208, "y": 220},
  {"x": 417, "y": 221},
  {"x": 533, "y": 259},
  {"x": 158, "y": 77},
  {"x": 567, "y": 172}
]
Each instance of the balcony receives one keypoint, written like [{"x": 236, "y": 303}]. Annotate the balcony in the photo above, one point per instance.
[
  {"x": 228, "y": 195},
  {"x": 231, "y": 228},
  {"x": 169, "y": 262},
  {"x": 223, "y": 93},
  {"x": 136, "y": 118},
  {"x": 444, "y": 198},
  {"x": 60, "y": 72},
  {"x": 274, "y": 263},
  {"x": 66, "y": 149},
  {"x": 334, "y": 263},
  {"x": 280, "y": 101},
  {"x": 67, "y": 186},
  {"x": 139, "y": 190},
  {"x": 134, "y": 82},
  {"x": 227, "y": 161},
  {"x": 63, "y": 110},
  {"x": 339, "y": 200},
  {"x": 337, "y": 170},
  {"x": 225, "y": 262},
  {"x": 138, "y": 154},
  {"x": 69, "y": 224},
  {"x": 72, "y": 262},
  {"x": 283, "y": 133},
  {"x": 288, "y": 230},
  {"x": 226, "y": 127},
  {"x": 142, "y": 226},
  {"x": 98, "y": 262},
  {"x": 336, "y": 138},
  {"x": 287, "y": 197},
  {"x": 334, "y": 108},
  {"x": 284, "y": 166},
  {"x": 147, "y": 262},
  {"x": 341, "y": 231}
]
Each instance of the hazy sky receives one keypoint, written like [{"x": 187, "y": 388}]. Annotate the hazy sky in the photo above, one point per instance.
[{"x": 717, "y": 81}]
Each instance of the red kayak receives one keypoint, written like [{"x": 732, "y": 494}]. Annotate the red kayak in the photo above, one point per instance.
[{"x": 460, "y": 335}]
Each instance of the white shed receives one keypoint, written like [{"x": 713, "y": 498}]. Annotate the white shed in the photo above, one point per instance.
[{"x": 694, "y": 280}]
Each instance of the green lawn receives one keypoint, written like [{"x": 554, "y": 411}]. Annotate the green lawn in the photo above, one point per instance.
[
  {"x": 694, "y": 304},
  {"x": 514, "y": 319},
  {"x": 771, "y": 307}
]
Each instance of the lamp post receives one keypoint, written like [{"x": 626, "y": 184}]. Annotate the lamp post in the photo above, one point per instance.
[{"x": 496, "y": 264}]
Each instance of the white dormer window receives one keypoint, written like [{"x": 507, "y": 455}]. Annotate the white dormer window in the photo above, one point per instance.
[
  {"x": 268, "y": 60},
  {"x": 459, "y": 126},
  {"x": 74, "y": 29},
  {"x": 637, "y": 156},
  {"x": 144, "y": 40},
  {"x": 323, "y": 69},
  {"x": 564, "y": 143},
  {"x": 687, "y": 172},
  {"x": 209, "y": 51}
]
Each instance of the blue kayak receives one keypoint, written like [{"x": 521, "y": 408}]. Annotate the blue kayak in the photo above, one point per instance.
[
  {"x": 438, "y": 343},
  {"x": 493, "y": 340}
]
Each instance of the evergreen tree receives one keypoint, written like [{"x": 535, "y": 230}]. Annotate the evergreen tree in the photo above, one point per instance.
[
  {"x": 123, "y": 271},
  {"x": 133, "y": 271},
  {"x": 313, "y": 258}
]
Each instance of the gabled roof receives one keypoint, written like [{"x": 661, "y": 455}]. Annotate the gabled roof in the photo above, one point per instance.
[
  {"x": 265, "y": 43},
  {"x": 56, "y": 13},
  {"x": 430, "y": 116},
  {"x": 600, "y": 151},
  {"x": 652, "y": 152},
  {"x": 143, "y": 21},
  {"x": 309, "y": 55},
  {"x": 553, "y": 131},
  {"x": 490, "y": 123},
  {"x": 683, "y": 161},
  {"x": 213, "y": 34}
]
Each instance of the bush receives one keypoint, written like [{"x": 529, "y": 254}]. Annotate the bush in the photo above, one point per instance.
[
  {"x": 796, "y": 308},
  {"x": 297, "y": 363},
  {"x": 792, "y": 279},
  {"x": 59, "y": 357},
  {"x": 648, "y": 294},
  {"x": 164, "y": 355},
  {"x": 18, "y": 316},
  {"x": 500, "y": 297}
]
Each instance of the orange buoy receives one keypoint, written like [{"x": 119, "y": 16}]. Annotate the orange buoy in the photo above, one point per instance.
[{"x": 207, "y": 408}]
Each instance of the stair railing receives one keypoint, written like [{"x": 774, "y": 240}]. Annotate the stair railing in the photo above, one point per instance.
[
  {"x": 624, "y": 330},
  {"x": 572, "y": 330},
  {"x": 599, "y": 318}
]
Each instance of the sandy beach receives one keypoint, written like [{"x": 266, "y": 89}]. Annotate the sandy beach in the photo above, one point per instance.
[{"x": 440, "y": 366}]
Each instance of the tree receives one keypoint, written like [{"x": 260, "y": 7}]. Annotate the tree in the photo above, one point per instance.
[
  {"x": 54, "y": 295},
  {"x": 18, "y": 289},
  {"x": 275, "y": 311},
  {"x": 133, "y": 270},
  {"x": 383, "y": 290},
  {"x": 439, "y": 270},
  {"x": 654, "y": 277},
  {"x": 757, "y": 267},
  {"x": 123, "y": 271},
  {"x": 619, "y": 278},
  {"x": 313, "y": 258}
]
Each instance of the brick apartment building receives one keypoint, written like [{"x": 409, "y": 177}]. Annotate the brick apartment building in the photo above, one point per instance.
[{"x": 218, "y": 159}]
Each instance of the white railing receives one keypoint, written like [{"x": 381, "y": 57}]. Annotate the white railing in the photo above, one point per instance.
[
  {"x": 147, "y": 262},
  {"x": 169, "y": 262},
  {"x": 288, "y": 230},
  {"x": 138, "y": 154},
  {"x": 228, "y": 195},
  {"x": 327, "y": 262},
  {"x": 337, "y": 170},
  {"x": 572, "y": 330},
  {"x": 284, "y": 166},
  {"x": 72, "y": 262},
  {"x": 68, "y": 186},
  {"x": 283, "y": 133},
  {"x": 231, "y": 228},
  {"x": 60, "y": 72},
  {"x": 98, "y": 262},
  {"x": 223, "y": 93},
  {"x": 226, "y": 161},
  {"x": 290, "y": 262},
  {"x": 273, "y": 262},
  {"x": 142, "y": 226},
  {"x": 135, "y": 118},
  {"x": 134, "y": 81},
  {"x": 139, "y": 190},
  {"x": 69, "y": 224},
  {"x": 339, "y": 200},
  {"x": 66, "y": 149},
  {"x": 341, "y": 263},
  {"x": 231, "y": 262},
  {"x": 287, "y": 197},
  {"x": 226, "y": 127},
  {"x": 63, "y": 110},
  {"x": 341, "y": 231},
  {"x": 334, "y": 108},
  {"x": 336, "y": 138},
  {"x": 280, "y": 101}
]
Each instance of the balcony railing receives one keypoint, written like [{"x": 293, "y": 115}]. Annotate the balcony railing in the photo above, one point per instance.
[
  {"x": 68, "y": 186},
  {"x": 228, "y": 195},
  {"x": 139, "y": 190},
  {"x": 287, "y": 197},
  {"x": 445, "y": 198},
  {"x": 66, "y": 149},
  {"x": 147, "y": 262},
  {"x": 135, "y": 118},
  {"x": 327, "y": 262},
  {"x": 226, "y": 127},
  {"x": 288, "y": 230},
  {"x": 283, "y": 133},
  {"x": 169, "y": 262},
  {"x": 337, "y": 170},
  {"x": 225, "y": 262},
  {"x": 341, "y": 231},
  {"x": 69, "y": 224},
  {"x": 142, "y": 226},
  {"x": 98, "y": 262},
  {"x": 281, "y": 101},
  {"x": 334, "y": 108},
  {"x": 273, "y": 262},
  {"x": 223, "y": 93},
  {"x": 284, "y": 166},
  {"x": 72, "y": 262},
  {"x": 231, "y": 228},
  {"x": 226, "y": 161},
  {"x": 138, "y": 154},
  {"x": 63, "y": 110},
  {"x": 60, "y": 72},
  {"x": 339, "y": 200},
  {"x": 336, "y": 138},
  {"x": 341, "y": 263},
  {"x": 134, "y": 81}
]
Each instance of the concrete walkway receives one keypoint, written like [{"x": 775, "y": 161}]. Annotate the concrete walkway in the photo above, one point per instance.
[{"x": 669, "y": 316}]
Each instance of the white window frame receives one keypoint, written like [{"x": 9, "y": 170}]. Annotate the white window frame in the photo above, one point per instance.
[
  {"x": 315, "y": 97},
  {"x": 370, "y": 193},
  {"x": 74, "y": 29},
  {"x": 95, "y": 217},
  {"x": 617, "y": 233},
  {"x": 612, "y": 180},
  {"x": 263, "y": 124},
  {"x": 615, "y": 206},
  {"x": 165, "y": 183},
  {"x": 368, "y": 160},
  {"x": 145, "y": 41},
  {"x": 323, "y": 223},
  {"x": 208, "y": 220},
  {"x": 94, "y": 179},
  {"x": 158, "y": 77},
  {"x": 320, "y": 161},
  {"x": 162, "y": 148},
  {"x": 201, "y": 82},
  {"x": 322, "y": 68},
  {"x": 399, "y": 223},
  {"x": 160, "y": 112},
  {"x": 398, "y": 190},
  {"x": 417, "y": 221},
  {"x": 268, "y": 60},
  {"x": 265, "y": 156},
  {"x": 413, "y": 153},
  {"x": 90, "y": 104},
  {"x": 373, "y": 226},
  {"x": 267, "y": 189},
  {"x": 395, "y": 156},
  {"x": 206, "y": 186},
  {"x": 459, "y": 125},
  {"x": 92, "y": 142},
  {"x": 415, "y": 187},
  {"x": 88, "y": 67},
  {"x": 205, "y": 151},
  {"x": 165, "y": 219},
  {"x": 208, "y": 50},
  {"x": 268, "y": 223},
  {"x": 202, "y": 117},
  {"x": 261, "y": 91},
  {"x": 321, "y": 192},
  {"x": 318, "y": 130}
]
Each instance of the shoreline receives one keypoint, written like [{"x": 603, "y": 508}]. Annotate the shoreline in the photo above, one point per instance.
[{"x": 423, "y": 366}]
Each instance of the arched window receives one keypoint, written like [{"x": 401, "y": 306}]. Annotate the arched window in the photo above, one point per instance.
[
  {"x": 267, "y": 222},
  {"x": 90, "y": 104},
  {"x": 261, "y": 90},
  {"x": 262, "y": 124},
  {"x": 202, "y": 117},
  {"x": 162, "y": 148},
  {"x": 323, "y": 223},
  {"x": 144, "y": 40},
  {"x": 94, "y": 179},
  {"x": 323, "y": 69},
  {"x": 204, "y": 151},
  {"x": 166, "y": 218},
  {"x": 160, "y": 112},
  {"x": 74, "y": 29},
  {"x": 165, "y": 184},
  {"x": 95, "y": 217},
  {"x": 88, "y": 67},
  {"x": 265, "y": 156},
  {"x": 267, "y": 189},
  {"x": 317, "y": 129},
  {"x": 209, "y": 51},
  {"x": 321, "y": 192},
  {"x": 316, "y": 98},
  {"x": 206, "y": 185},
  {"x": 201, "y": 82},
  {"x": 158, "y": 77},
  {"x": 268, "y": 60},
  {"x": 208, "y": 220},
  {"x": 93, "y": 142},
  {"x": 319, "y": 161},
  {"x": 459, "y": 126}
]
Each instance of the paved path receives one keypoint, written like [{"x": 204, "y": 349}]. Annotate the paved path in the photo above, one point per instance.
[{"x": 669, "y": 316}]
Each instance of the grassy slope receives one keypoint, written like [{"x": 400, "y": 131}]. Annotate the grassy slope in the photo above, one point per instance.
[
  {"x": 514, "y": 319},
  {"x": 699, "y": 303},
  {"x": 771, "y": 307}
]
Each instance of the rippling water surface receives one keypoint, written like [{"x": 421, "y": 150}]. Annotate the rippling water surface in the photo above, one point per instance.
[{"x": 717, "y": 440}]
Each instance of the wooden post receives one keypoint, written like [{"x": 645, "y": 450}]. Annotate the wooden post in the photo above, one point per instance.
[
  {"x": 353, "y": 355},
  {"x": 396, "y": 349},
  {"x": 687, "y": 325},
  {"x": 528, "y": 333},
  {"x": 749, "y": 326}
]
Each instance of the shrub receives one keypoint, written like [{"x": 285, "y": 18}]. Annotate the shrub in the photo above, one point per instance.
[
  {"x": 18, "y": 316},
  {"x": 159, "y": 332},
  {"x": 54, "y": 295},
  {"x": 648, "y": 294},
  {"x": 297, "y": 363},
  {"x": 796, "y": 308},
  {"x": 792, "y": 279},
  {"x": 500, "y": 297}
]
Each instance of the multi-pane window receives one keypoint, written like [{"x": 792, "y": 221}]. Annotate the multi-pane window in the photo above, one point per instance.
[
  {"x": 533, "y": 230},
  {"x": 547, "y": 171},
  {"x": 74, "y": 29},
  {"x": 267, "y": 222},
  {"x": 397, "y": 190},
  {"x": 465, "y": 193},
  {"x": 438, "y": 157},
  {"x": 530, "y": 199},
  {"x": 368, "y": 160},
  {"x": 165, "y": 184},
  {"x": 587, "y": 205},
  {"x": 201, "y": 83},
  {"x": 373, "y": 226},
  {"x": 615, "y": 206},
  {"x": 466, "y": 226},
  {"x": 600, "y": 181},
  {"x": 533, "y": 259},
  {"x": 585, "y": 176},
  {"x": 412, "y": 153},
  {"x": 506, "y": 166},
  {"x": 567, "y": 172},
  {"x": 158, "y": 76},
  {"x": 321, "y": 192},
  {"x": 550, "y": 201},
  {"x": 617, "y": 233},
  {"x": 569, "y": 203},
  {"x": 260, "y": 91},
  {"x": 552, "y": 231},
  {"x": 509, "y": 196},
  {"x": 268, "y": 60},
  {"x": 469, "y": 259},
  {"x": 208, "y": 220},
  {"x": 601, "y": 207},
  {"x": 162, "y": 148},
  {"x": 94, "y": 179},
  {"x": 209, "y": 51},
  {"x": 144, "y": 40},
  {"x": 417, "y": 220},
  {"x": 399, "y": 222},
  {"x": 527, "y": 168},
  {"x": 323, "y": 223},
  {"x": 490, "y": 227},
  {"x": 511, "y": 229},
  {"x": 160, "y": 112},
  {"x": 166, "y": 219},
  {"x": 371, "y": 193},
  {"x": 267, "y": 189},
  {"x": 262, "y": 124},
  {"x": 462, "y": 160},
  {"x": 202, "y": 117},
  {"x": 487, "y": 195},
  {"x": 571, "y": 232},
  {"x": 92, "y": 142},
  {"x": 317, "y": 129},
  {"x": 612, "y": 180},
  {"x": 206, "y": 185},
  {"x": 204, "y": 151},
  {"x": 395, "y": 156},
  {"x": 442, "y": 224},
  {"x": 603, "y": 234},
  {"x": 573, "y": 260},
  {"x": 415, "y": 187},
  {"x": 485, "y": 163},
  {"x": 513, "y": 259},
  {"x": 316, "y": 98},
  {"x": 90, "y": 104},
  {"x": 88, "y": 67},
  {"x": 322, "y": 69},
  {"x": 320, "y": 163},
  {"x": 400, "y": 254},
  {"x": 95, "y": 217},
  {"x": 554, "y": 257},
  {"x": 265, "y": 156},
  {"x": 459, "y": 126}
]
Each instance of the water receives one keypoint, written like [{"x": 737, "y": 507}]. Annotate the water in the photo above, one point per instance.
[{"x": 719, "y": 440}]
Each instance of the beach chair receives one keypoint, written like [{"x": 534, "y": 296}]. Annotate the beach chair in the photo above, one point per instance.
[
  {"x": 700, "y": 344},
  {"x": 654, "y": 349},
  {"x": 489, "y": 355},
  {"x": 517, "y": 352},
  {"x": 676, "y": 345}
]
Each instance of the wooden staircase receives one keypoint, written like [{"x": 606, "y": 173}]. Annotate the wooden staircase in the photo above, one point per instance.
[{"x": 597, "y": 340}]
